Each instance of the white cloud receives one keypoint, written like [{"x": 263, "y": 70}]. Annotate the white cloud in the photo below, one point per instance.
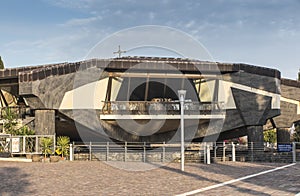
[
  {"x": 81, "y": 21},
  {"x": 75, "y": 4}
]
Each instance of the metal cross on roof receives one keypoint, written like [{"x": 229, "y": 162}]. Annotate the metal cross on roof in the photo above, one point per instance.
[{"x": 119, "y": 51}]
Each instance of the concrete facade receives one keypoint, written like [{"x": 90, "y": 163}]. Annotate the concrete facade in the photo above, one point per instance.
[{"x": 249, "y": 96}]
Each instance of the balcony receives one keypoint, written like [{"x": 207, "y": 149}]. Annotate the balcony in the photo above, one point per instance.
[{"x": 160, "y": 110}]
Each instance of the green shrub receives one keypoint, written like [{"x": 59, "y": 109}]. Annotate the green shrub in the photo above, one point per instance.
[
  {"x": 46, "y": 144},
  {"x": 62, "y": 147}
]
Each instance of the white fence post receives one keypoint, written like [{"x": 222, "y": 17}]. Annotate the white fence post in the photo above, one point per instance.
[
  {"x": 233, "y": 152},
  {"x": 71, "y": 152},
  {"x": 208, "y": 154},
  {"x": 24, "y": 144},
  {"x": 294, "y": 152}
]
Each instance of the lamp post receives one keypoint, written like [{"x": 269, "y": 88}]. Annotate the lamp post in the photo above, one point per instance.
[{"x": 182, "y": 94}]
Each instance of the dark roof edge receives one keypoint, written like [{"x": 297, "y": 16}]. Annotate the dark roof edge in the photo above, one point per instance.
[
  {"x": 289, "y": 82},
  {"x": 258, "y": 70}
]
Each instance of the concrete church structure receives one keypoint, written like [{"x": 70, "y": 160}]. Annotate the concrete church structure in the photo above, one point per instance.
[{"x": 135, "y": 99}]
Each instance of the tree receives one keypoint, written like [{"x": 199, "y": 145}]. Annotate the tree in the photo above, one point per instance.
[
  {"x": 10, "y": 122},
  {"x": 1, "y": 64},
  {"x": 46, "y": 143},
  {"x": 270, "y": 136},
  {"x": 63, "y": 145},
  {"x": 296, "y": 134}
]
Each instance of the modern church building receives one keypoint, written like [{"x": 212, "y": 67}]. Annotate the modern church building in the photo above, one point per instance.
[{"x": 135, "y": 99}]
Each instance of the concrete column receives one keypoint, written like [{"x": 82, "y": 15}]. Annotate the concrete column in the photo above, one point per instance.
[
  {"x": 255, "y": 135},
  {"x": 283, "y": 135},
  {"x": 45, "y": 122}
]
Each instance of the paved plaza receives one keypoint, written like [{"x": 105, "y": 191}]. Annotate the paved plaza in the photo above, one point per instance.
[{"x": 99, "y": 178}]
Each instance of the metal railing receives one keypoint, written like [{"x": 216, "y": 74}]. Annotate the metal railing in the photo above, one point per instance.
[
  {"x": 22, "y": 145},
  {"x": 135, "y": 152},
  {"x": 194, "y": 152},
  {"x": 153, "y": 107}
]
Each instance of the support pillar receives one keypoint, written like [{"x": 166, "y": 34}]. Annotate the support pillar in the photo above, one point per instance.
[
  {"x": 45, "y": 122},
  {"x": 255, "y": 135},
  {"x": 283, "y": 135}
]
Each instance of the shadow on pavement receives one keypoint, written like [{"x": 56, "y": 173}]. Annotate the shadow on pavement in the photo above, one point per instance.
[{"x": 13, "y": 181}]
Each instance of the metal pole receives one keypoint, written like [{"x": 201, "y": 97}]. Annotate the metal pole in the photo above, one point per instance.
[
  {"x": 215, "y": 150},
  {"x": 24, "y": 143},
  {"x": 208, "y": 154},
  {"x": 144, "y": 154},
  {"x": 252, "y": 156},
  {"x": 233, "y": 152},
  {"x": 36, "y": 144},
  {"x": 294, "y": 152},
  {"x": 181, "y": 99},
  {"x": 125, "y": 152},
  {"x": 164, "y": 152},
  {"x": 204, "y": 153},
  {"x": 107, "y": 150},
  {"x": 224, "y": 152},
  {"x": 54, "y": 143},
  {"x": 182, "y": 136},
  {"x": 71, "y": 152},
  {"x": 90, "y": 151}
]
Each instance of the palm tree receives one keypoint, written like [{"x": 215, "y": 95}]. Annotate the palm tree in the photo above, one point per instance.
[
  {"x": 63, "y": 145},
  {"x": 10, "y": 121},
  {"x": 46, "y": 144}
]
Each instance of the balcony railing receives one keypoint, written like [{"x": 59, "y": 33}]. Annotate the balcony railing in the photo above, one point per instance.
[{"x": 154, "y": 108}]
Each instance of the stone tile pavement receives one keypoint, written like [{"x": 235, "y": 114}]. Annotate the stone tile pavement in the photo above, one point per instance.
[{"x": 99, "y": 178}]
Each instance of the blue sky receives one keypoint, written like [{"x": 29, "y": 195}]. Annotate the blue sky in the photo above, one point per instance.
[{"x": 258, "y": 32}]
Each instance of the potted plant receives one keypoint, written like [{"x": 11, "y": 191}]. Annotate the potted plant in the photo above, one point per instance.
[
  {"x": 46, "y": 144},
  {"x": 62, "y": 147}
]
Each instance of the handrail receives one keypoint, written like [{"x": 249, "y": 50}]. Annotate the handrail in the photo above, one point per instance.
[{"x": 159, "y": 107}]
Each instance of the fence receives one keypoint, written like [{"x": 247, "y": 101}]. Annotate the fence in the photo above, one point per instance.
[
  {"x": 29, "y": 144},
  {"x": 194, "y": 152},
  {"x": 159, "y": 107}
]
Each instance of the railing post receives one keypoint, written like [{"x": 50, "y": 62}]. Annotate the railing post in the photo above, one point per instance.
[
  {"x": 90, "y": 151},
  {"x": 224, "y": 152},
  {"x": 233, "y": 151},
  {"x": 10, "y": 145},
  {"x": 36, "y": 144},
  {"x": 144, "y": 154},
  {"x": 208, "y": 154},
  {"x": 107, "y": 151},
  {"x": 204, "y": 150},
  {"x": 54, "y": 143},
  {"x": 164, "y": 152},
  {"x": 252, "y": 151},
  {"x": 24, "y": 139},
  {"x": 125, "y": 152},
  {"x": 294, "y": 152},
  {"x": 71, "y": 152},
  {"x": 215, "y": 150}
]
